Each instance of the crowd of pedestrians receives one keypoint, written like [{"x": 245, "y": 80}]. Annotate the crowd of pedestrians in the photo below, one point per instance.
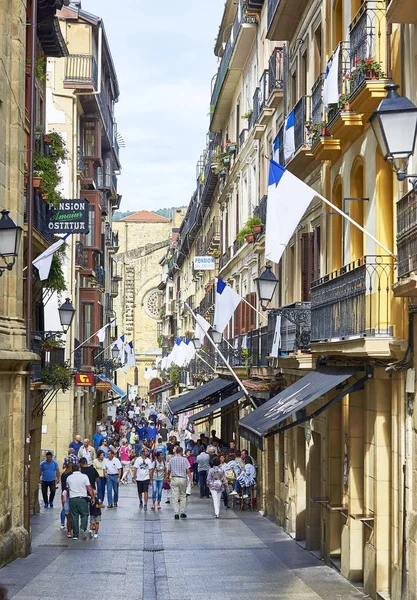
[{"x": 150, "y": 452}]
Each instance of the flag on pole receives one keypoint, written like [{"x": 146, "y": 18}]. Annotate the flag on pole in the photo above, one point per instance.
[
  {"x": 201, "y": 327},
  {"x": 43, "y": 262},
  {"x": 147, "y": 374},
  {"x": 120, "y": 344},
  {"x": 227, "y": 301},
  {"x": 289, "y": 136},
  {"x": 168, "y": 360},
  {"x": 288, "y": 199},
  {"x": 191, "y": 352},
  {"x": 275, "y": 149},
  {"x": 277, "y": 338},
  {"x": 131, "y": 359},
  {"x": 331, "y": 80},
  {"x": 101, "y": 333}
]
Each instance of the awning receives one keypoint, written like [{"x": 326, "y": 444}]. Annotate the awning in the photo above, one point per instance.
[
  {"x": 114, "y": 387},
  {"x": 203, "y": 414},
  {"x": 161, "y": 388},
  {"x": 264, "y": 421},
  {"x": 201, "y": 395}
]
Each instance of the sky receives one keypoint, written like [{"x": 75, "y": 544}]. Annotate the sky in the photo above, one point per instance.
[{"x": 163, "y": 53}]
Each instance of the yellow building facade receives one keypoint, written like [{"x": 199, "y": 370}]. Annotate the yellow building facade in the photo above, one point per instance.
[{"x": 340, "y": 481}]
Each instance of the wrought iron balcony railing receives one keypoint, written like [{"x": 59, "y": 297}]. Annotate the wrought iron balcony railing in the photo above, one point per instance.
[
  {"x": 407, "y": 234},
  {"x": 80, "y": 159},
  {"x": 79, "y": 254},
  {"x": 213, "y": 235},
  {"x": 225, "y": 257},
  {"x": 263, "y": 90},
  {"x": 207, "y": 303},
  {"x": 260, "y": 210},
  {"x": 81, "y": 69},
  {"x": 295, "y": 327},
  {"x": 353, "y": 301},
  {"x": 276, "y": 70},
  {"x": 317, "y": 106},
  {"x": 301, "y": 116},
  {"x": 40, "y": 217}
]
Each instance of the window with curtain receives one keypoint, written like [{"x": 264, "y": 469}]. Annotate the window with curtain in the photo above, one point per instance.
[{"x": 90, "y": 237}]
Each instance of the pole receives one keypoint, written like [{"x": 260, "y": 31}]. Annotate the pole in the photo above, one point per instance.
[
  {"x": 244, "y": 390},
  {"x": 205, "y": 362},
  {"x": 91, "y": 336},
  {"x": 347, "y": 217},
  {"x": 100, "y": 353},
  {"x": 30, "y": 211},
  {"x": 255, "y": 309}
]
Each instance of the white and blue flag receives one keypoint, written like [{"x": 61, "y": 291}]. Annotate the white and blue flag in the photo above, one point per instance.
[
  {"x": 288, "y": 199},
  {"x": 43, "y": 262},
  {"x": 277, "y": 338},
  {"x": 275, "y": 149},
  {"x": 331, "y": 80},
  {"x": 227, "y": 300},
  {"x": 289, "y": 137},
  {"x": 201, "y": 327},
  {"x": 101, "y": 333},
  {"x": 131, "y": 359}
]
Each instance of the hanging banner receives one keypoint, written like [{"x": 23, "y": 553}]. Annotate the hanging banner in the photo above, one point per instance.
[{"x": 69, "y": 215}]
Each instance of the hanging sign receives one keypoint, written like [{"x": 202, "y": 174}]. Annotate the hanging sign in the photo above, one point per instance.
[
  {"x": 84, "y": 379},
  {"x": 103, "y": 386},
  {"x": 204, "y": 263},
  {"x": 69, "y": 215}
]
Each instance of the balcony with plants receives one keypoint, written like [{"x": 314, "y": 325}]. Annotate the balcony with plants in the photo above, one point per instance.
[
  {"x": 241, "y": 38},
  {"x": 302, "y": 160},
  {"x": 355, "y": 303},
  {"x": 324, "y": 146}
]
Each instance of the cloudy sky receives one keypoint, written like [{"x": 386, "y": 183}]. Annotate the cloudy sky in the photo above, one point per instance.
[{"x": 163, "y": 52}]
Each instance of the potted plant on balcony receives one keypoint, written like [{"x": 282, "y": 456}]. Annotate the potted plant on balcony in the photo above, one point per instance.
[
  {"x": 248, "y": 114},
  {"x": 247, "y": 234},
  {"x": 344, "y": 104},
  {"x": 255, "y": 224},
  {"x": 48, "y": 167},
  {"x": 230, "y": 147},
  {"x": 51, "y": 343},
  {"x": 56, "y": 376},
  {"x": 369, "y": 66}
]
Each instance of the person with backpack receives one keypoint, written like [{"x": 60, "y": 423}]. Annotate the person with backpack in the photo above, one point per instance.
[
  {"x": 216, "y": 482},
  {"x": 159, "y": 476},
  {"x": 160, "y": 447}
]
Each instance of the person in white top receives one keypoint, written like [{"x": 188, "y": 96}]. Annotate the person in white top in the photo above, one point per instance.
[
  {"x": 88, "y": 452},
  {"x": 113, "y": 472},
  {"x": 79, "y": 489},
  {"x": 143, "y": 473}
]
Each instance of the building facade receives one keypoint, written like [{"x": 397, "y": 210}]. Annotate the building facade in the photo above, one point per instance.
[{"x": 333, "y": 479}]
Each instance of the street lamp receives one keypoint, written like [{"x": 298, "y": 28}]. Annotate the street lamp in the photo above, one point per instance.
[
  {"x": 266, "y": 284},
  {"x": 394, "y": 124},
  {"x": 197, "y": 343},
  {"x": 115, "y": 352},
  {"x": 216, "y": 336},
  {"x": 66, "y": 314},
  {"x": 10, "y": 235}
]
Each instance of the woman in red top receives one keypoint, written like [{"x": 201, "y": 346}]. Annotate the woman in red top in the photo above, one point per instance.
[{"x": 124, "y": 453}]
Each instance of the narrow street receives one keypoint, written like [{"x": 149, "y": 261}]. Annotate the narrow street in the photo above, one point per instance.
[{"x": 151, "y": 556}]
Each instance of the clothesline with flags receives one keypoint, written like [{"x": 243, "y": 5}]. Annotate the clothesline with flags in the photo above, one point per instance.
[{"x": 283, "y": 213}]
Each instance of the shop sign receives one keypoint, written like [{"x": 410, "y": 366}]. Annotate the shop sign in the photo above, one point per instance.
[
  {"x": 204, "y": 263},
  {"x": 69, "y": 215},
  {"x": 84, "y": 379},
  {"x": 103, "y": 386}
]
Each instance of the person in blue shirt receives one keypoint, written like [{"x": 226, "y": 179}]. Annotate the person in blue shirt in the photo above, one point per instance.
[
  {"x": 49, "y": 477},
  {"x": 160, "y": 447},
  {"x": 98, "y": 437},
  {"x": 141, "y": 431},
  {"x": 151, "y": 431},
  {"x": 76, "y": 444}
]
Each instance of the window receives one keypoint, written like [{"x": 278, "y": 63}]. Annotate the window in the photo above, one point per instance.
[
  {"x": 90, "y": 237},
  {"x": 89, "y": 139},
  {"x": 88, "y": 321}
]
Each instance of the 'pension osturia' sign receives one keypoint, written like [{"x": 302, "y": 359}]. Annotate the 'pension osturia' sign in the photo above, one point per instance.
[{"x": 69, "y": 215}]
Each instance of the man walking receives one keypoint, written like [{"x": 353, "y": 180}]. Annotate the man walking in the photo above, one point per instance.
[
  {"x": 76, "y": 444},
  {"x": 49, "y": 477},
  {"x": 113, "y": 470},
  {"x": 203, "y": 466},
  {"x": 143, "y": 473},
  {"x": 79, "y": 489},
  {"x": 71, "y": 458},
  {"x": 179, "y": 470},
  {"x": 91, "y": 473},
  {"x": 87, "y": 451},
  {"x": 98, "y": 437}
]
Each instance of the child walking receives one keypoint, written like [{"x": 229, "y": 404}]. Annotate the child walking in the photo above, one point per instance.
[{"x": 95, "y": 517}]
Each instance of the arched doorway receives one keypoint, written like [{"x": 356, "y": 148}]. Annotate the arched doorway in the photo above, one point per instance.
[{"x": 153, "y": 384}]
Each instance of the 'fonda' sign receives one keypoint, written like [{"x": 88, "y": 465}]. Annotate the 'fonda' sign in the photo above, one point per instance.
[{"x": 69, "y": 215}]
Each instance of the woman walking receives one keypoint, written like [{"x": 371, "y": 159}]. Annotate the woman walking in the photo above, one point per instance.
[
  {"x": 225, "y": 493},
  {"x": 216, "y": 482},
  {"x": 65, "y": 512},
  {"x": 124, "y": 454},
  {"x": 159, "y": 476},
  {"x": 99, "y": 465}
]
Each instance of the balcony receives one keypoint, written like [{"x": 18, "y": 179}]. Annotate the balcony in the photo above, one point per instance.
[
  {"x": 295, "y": 327},
  {"x": 354, "y": 302},
  {"x": 283, "y": 18},
  {"x": 303, "y": 160},
  {"x": 324, "y": 147},
  {"x": 114, "y": 287},
  {"x": 402, "y": 11},
  {"x": 98, "y": 272},
  {"x": 79, "y": 255},
  {"x": 225, "y": 257},
  {"x": 260, "y": 210},
  {"x": 108, "y": 304},
  {"x": 90, "y": 171},
  {"x": 275, "y": 78},
  {"x": 233, "y": 60},
  {"x": 247, "y": 350},
  {"x": 407, "y": 241},
  {"x": 40, "y": 221},
  {"x": 80, "y": 161},
  {"x": 213, "y": 236},
  {"x": 207, "y": 304},
  {"x": 81, "y": 72}
]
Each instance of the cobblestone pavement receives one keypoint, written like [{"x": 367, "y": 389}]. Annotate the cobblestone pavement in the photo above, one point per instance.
[{"x": 152, "y": 556}]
